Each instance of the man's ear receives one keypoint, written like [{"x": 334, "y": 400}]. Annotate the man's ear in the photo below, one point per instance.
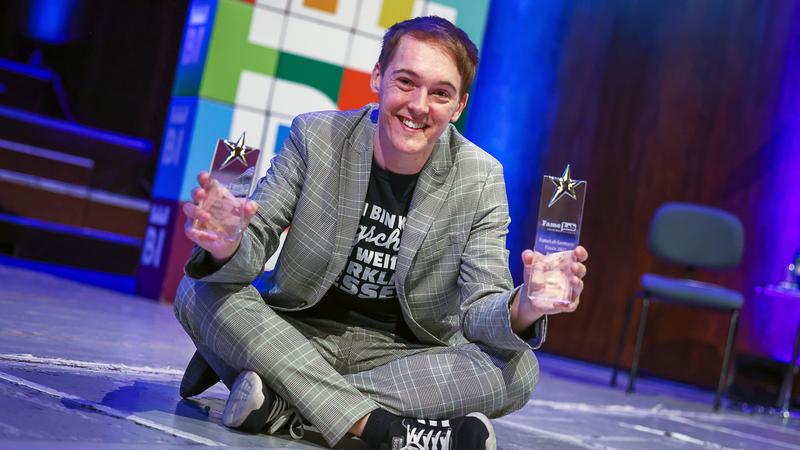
[
  {"x": 461, "y": 105},
  {"x": 375, "y": 79}
]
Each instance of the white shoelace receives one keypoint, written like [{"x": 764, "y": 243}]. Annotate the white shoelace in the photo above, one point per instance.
[
  {"x": 422, "y": 439},
  {"x": 282, "y": 414}
]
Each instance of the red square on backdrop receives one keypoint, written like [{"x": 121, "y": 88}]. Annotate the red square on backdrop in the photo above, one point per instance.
[{"x": 354, "y": 91}]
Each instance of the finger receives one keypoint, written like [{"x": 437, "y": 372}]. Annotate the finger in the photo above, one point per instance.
[
  {"x": 578, "y": 269},
  {"x": 203, "y": 178},
  {"x": 192, "y": 233},
  {"x": 581, "y": 254},
  {"x": 188, "y": 209},
  {"x": 250, "y": 208},
  {"x": 202, "y": 238},
  {"x": 560, "y": 305},
  {"x": 577, "y": 286},
  {"x": 574, "y": 305},
  {"x": 193, "y": 212},
  {"x": 208, "y": 237},
  {"x": 528, "y": 257},
  {"x": 198, "y": 195},
  {"x": 564, "y": 306}
]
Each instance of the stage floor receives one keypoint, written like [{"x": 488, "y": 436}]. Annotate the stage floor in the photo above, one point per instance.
[{"x": 87, "y": 368}]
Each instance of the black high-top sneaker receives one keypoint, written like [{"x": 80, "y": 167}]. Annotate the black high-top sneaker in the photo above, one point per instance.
[{"x": 473, "y": 431}]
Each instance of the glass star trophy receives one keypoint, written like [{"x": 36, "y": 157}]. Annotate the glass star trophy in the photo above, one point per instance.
[
  {"x": 558, "y": 230},
  {"x": 231, "y": 160}
]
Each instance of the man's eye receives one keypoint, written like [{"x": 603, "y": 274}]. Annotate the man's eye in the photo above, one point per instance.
[
  {"x": 442, "y": 93},
  {"x": 404, "y": 81}
]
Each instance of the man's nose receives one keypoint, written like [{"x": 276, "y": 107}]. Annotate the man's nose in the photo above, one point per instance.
[{"x": 419, "y": 102}]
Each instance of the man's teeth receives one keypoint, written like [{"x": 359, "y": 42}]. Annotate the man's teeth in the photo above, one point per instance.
[{"x": 411, "y": 124}]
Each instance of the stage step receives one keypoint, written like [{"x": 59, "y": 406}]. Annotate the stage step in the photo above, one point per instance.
[
  {"x": 68, "y": 245},
  {"x": 48, "y": 220},
  {"x": 23, "y": 158},
  {"x": 119, "y": 161},
  {"x": 39, "y": 198}
]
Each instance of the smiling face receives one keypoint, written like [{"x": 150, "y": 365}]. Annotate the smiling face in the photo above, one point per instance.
[{"x": 418, "y": 95}]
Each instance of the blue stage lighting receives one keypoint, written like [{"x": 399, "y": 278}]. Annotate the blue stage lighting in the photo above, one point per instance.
[
  {"x": 515, "y": 91},
  {"x": 50, "y": 21}
]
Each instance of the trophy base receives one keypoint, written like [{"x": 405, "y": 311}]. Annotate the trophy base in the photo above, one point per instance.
[
  {"x": 550, "y": 281},
  {"x": 226, "y": 211}
]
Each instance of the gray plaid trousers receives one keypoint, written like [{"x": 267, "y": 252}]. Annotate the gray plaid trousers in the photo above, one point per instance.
[{"x": 335, "y": 373}]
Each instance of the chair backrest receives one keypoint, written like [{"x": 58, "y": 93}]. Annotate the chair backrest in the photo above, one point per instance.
[{"x": 696, "y": 236}]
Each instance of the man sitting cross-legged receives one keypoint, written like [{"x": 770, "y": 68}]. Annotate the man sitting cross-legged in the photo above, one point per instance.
[{"x": 393, "y": 316}]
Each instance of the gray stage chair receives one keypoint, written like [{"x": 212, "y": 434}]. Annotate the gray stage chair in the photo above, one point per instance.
[{"x": 696, "y": 237}]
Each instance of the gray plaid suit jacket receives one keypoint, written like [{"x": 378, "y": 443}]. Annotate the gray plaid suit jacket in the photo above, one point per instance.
[{"x": 452, "y": 275}]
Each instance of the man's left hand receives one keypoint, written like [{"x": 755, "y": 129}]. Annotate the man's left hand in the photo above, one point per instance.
[{"x": 553, "y": 284}]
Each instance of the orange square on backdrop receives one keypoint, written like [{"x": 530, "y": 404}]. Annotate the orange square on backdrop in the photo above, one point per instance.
[
  {"x": 322, "y": 5},
  {"x": 354, "y": 91}
]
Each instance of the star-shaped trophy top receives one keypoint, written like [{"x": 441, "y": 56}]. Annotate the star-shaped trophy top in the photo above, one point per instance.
[
  {"x": 564, "y": 186},
  {"x": 238, "y": 151}
]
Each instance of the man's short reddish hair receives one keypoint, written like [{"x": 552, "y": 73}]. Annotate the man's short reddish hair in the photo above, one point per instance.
[{"x": 440, "y": 32}]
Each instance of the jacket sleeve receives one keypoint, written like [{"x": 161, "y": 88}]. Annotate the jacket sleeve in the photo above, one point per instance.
[
  {"x": 276, "y": 194},
  {"x": 485, "y": 284}
]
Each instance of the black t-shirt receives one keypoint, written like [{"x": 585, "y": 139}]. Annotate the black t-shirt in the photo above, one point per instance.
[{"x": 364, "y": 293}]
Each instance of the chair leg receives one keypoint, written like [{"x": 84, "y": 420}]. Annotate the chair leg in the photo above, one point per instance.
[
  {"x": 638, "y": 348},
  {"x": 723, "y": 376},
  {"x": 623, "y": 332}
]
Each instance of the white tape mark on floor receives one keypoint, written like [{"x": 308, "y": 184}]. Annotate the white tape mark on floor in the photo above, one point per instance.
[
  {"x": 731, "y": 431},
  {"x": 109, "y": 411},
  {"x": 91, "y": 366},
  {"x": 657, "y": 411},
  {"x": 681, "y": 437},
  {"x": 620, "y": 410},
  {"x": 566, "y": 438}
]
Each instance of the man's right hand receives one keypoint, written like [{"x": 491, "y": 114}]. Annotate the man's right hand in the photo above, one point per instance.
[{"x": 221, "y": 249}]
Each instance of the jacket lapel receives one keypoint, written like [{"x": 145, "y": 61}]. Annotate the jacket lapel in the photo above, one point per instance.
[
  {"x": 353, "y": 181},
  {"x": 433, "y": 185}
]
